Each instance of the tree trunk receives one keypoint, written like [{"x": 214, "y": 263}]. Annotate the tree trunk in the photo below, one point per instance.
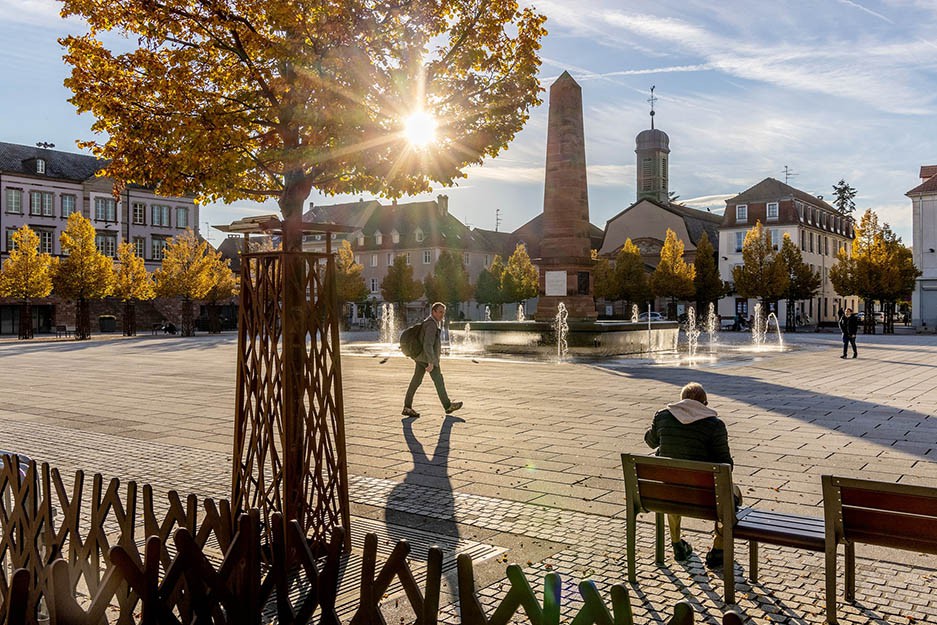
[
  {"x": 790, "y": 318},
  {"x": 130, "y": 318},
  {"x": 187, "y": 328},
  {"x": 26, "y": 320},
  {"x": 868, "y": 326},
  {"x": 82, "y": 320},
  {"x": 214, "y": 321}
]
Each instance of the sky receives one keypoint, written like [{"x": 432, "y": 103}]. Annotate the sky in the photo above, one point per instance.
[{"x": 829, "y": 89}]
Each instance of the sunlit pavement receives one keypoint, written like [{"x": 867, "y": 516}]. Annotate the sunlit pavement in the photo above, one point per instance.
[{"x": 533, "y": 463}]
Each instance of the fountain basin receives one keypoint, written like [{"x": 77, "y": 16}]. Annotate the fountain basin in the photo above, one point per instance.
[{"x": 605, "y": 338}]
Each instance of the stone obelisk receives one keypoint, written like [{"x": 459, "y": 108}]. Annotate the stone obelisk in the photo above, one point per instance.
[{"x": 565, "y": 261}]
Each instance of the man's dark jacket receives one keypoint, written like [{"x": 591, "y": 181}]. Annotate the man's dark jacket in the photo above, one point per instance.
[{"x": 698, "y": 435}]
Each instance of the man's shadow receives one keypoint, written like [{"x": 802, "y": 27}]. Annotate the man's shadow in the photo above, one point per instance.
[{"x": 424, "y": 500}]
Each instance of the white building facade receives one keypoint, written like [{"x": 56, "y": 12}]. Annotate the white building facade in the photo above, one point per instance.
[{"x": 924, "y": 243}]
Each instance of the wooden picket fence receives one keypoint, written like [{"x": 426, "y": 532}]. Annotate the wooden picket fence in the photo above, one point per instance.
[{"x": 74, "y": 558}]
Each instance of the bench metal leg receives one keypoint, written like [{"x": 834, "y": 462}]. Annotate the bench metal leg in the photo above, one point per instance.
[
  {"x": 728, "y": 566},
  {"x": 630, "y": 541},
  {"x": 659, "y": 538},
  {"x": 850, "y": 572},
  {"x": 830, "y": 583},
  {"x": 753, "y": 560}
]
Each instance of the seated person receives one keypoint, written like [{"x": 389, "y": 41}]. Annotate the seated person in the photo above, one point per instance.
[{"x": 690, "y": 430}]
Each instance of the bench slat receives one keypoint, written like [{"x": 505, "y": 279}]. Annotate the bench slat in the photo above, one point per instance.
[
  {"x": 883, "y": 500},
  {"x": 669, "y": 507},
  {"x": 878, "y": 527},
  {"x": 678, "y": 495},
  {"x": 672, "y": 475},
  {"x": 775, "y": 528}
]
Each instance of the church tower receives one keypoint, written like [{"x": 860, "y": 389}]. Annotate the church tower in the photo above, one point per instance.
[{"x": 653, "y": 149}]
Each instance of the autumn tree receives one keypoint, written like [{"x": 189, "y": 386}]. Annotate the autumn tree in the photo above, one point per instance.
[
  {"x": 186, "y": 272},
  {"x": 762, "y": 274},
  {"x": 877, "y": 269},
  {"x": 708, "y": 284},
  {"x": 673, "y": 277},
  {"x": 399, "y": 285},
  {"x": 82, "y": 273},
  {"x": 349, "y": 283},
  {"x": 604, "y": 282},
  {"x": 631, "y": 274},
  {"x": 223, "y": 286},
  {"x": 844, "y": 197},
  {"x": 26, "y": 274},
  {"x": 449, "y": 283},
  {"x": 520, "y": 280},
  {"x": 132, "y": 283},
  {"x": 802, "y": 281},
  {"x": 488, "y": 286}
]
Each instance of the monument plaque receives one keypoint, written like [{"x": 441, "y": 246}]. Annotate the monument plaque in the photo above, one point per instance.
[{"x": 554, "y": 283}]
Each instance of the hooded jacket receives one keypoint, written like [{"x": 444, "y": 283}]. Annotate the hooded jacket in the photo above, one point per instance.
[{"x": 689, "y": 430}]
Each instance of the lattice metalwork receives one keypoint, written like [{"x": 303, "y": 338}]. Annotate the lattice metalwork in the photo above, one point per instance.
[{"x": 289, "y": 442}]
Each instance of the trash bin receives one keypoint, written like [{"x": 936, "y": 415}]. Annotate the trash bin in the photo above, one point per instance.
[{"x": 107, "y": 323}]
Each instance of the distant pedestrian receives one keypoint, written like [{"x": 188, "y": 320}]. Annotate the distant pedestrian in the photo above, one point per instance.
[
  {"x": 690, "y": 430},
  {"x": 849, "y": 326},
  {"x": 428, "y": 362}
]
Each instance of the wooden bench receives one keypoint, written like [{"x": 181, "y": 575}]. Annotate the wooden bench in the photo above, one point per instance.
[
  {"x": 900, "y": 516},
  {"x": 703, "y": 490}
]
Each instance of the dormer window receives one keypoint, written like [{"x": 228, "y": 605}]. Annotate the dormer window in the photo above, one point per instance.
[
  {"x": 772, "y": 211},
  {"x": 741, "y": 213},
  {"x": 359, "y": 238},
  {"x": 378, "y": 238},
  {"x": 40, "y": 165},
  {"x": 419, "y": 235},
  {"x": 395, "y": 237}
]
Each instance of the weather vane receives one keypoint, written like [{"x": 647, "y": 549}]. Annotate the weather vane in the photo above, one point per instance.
[{"x": 652, "y": 100}]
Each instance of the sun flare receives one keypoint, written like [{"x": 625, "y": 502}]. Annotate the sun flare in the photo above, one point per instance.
[{"x": 420, "y": 129}]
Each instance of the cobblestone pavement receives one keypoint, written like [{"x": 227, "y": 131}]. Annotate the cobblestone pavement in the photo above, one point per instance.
[{"x": 533, "y": 463}]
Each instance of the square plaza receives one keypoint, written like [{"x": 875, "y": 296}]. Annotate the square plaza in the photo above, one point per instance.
[{"x": 529, "y": 471}]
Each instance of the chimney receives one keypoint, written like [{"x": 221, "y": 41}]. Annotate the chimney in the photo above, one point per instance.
[{"x": 442, "y": 202}]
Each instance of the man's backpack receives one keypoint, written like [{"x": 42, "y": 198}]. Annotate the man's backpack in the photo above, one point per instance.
[{"x": 411, "y": 340}]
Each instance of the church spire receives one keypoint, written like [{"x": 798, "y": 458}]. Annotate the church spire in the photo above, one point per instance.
[{"x": 652, "y": 100}]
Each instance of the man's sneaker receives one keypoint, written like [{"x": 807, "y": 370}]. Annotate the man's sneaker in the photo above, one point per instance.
[
  {"x": 410, "y": 412},
  {"x": 453, "y": 407},
  {"x": 714, "y": 559},
  {"x": 681, "y": 550}
]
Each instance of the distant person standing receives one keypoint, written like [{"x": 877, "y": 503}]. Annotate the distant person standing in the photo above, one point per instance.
[
  {"x": 428, "y": 362},
  {"x": 849, "y": 326}
]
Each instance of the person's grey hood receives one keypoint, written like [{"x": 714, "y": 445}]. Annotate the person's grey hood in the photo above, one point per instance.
[{"x": 688, "y": 411}]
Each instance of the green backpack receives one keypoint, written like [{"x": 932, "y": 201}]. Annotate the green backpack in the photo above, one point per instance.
[{"x": 411, "y": 341}]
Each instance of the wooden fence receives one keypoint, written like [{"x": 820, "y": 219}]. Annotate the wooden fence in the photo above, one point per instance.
[{"x": 70, "y": 557}]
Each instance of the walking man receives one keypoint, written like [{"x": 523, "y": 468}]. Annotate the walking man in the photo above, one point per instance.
[
  {"x": 428, "y": 362},
  {"x": 849, "y": 326}
]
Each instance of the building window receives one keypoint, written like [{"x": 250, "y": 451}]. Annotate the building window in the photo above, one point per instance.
[
  {"x": 465, "y": 258},
  {"x": 775, "y": 238},
  {"x": 648, "y": 175},
  {"x": 15, "y": 201},
  {"x": 374, "y": 260},
  {"x": 158, "y": 244},
  {"x": 395, "y": 236},
  {"x": 159, "y": 215},
  {"x": 826, "y": 246},
  {"x": 45, "y": 241},
  {"x": 40, "y": 166},
  {"x": 106, "y": 243},
  {"x": 40, "y": 203},
  {"x": 390, "y": 259},
  {"x": 374, "y": 285},
  {"x": 68, "y": 205},
  {"x": 139, "y": 214},
  {"x": 803, "y": 241},
  {"x": 360, "y": 240},
  {"x": 139, "y": 246},
  {"x": 378, "y": 238},
  {"x": 427, "y": 257},
  {"x": 811, "y": 242},
  {"x": 741, "y": 213},
  {"x": 407, "y": 256},
  {"x": 182, "y": 217},
  {"x": 487, "y": 260},
  {"x": 10, "y": 244},
  {"x": 772, "y": 211},
  {"x": 739, "y": 241},
  {"x": 105, "y": 209},
  {"x": 357, "y": 259},
  {"x": 419, "y": 236}
]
